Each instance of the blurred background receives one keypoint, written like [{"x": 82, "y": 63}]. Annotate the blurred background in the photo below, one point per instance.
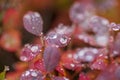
[{"x": 13, "y": 35}]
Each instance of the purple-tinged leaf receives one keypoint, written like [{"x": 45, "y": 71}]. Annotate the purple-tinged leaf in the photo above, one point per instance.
[
  {"x": 33, "y": 23},
  {"x": 51, "y": 57},
  {"x": 79, "y": 12},
  {"x": 99, "y": 25},
  {"x": 110, "y": 73},
  {"x": 104, "y": 5}
]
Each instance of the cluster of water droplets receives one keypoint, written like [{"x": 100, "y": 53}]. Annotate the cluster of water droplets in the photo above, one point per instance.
[
  {"x": 30, "y": 51},
  {"x": 32, "y": 74},
  {"x": 86, "y": 54},
  {"x": 60, "y": 40}
]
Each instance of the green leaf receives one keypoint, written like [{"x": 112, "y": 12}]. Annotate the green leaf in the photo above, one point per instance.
[{"x": 2, "y": 74}]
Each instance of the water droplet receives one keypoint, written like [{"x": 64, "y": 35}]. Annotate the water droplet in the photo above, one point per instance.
[
  {"x": 70, "y": 55},
  {"x": 72, "y": 65},
  {"x": 81, "y": 53},
  {"x": 63, "y": 40},
  {"x": 115, "y": 28},
  {"x": 34, "y": 48},
  {"x": 37, "y": 14},
  {"x": 27, "y": 73},
  {"x": 23, "y": 58},
  {"x": 54, "y": 36},
  {"x": 34, "y": 74},
  {"x": 89, "y": 58},
  {"x": 27, "y": 17}
]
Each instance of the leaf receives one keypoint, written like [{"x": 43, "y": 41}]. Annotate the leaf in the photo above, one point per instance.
[
  {"x": 33, "y": 23},
  {"x": 51, "y": 57},
  {"x": 2, "y": 74}
]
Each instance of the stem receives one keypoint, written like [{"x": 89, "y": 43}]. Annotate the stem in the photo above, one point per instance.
[
  {"x": 39, "y": 56},
  {"x": 69, "y": 47},
  {"x": 48, "y": 76},
  {"x": 42, "y": 39},
  {"x": 109, "y": 46}
]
